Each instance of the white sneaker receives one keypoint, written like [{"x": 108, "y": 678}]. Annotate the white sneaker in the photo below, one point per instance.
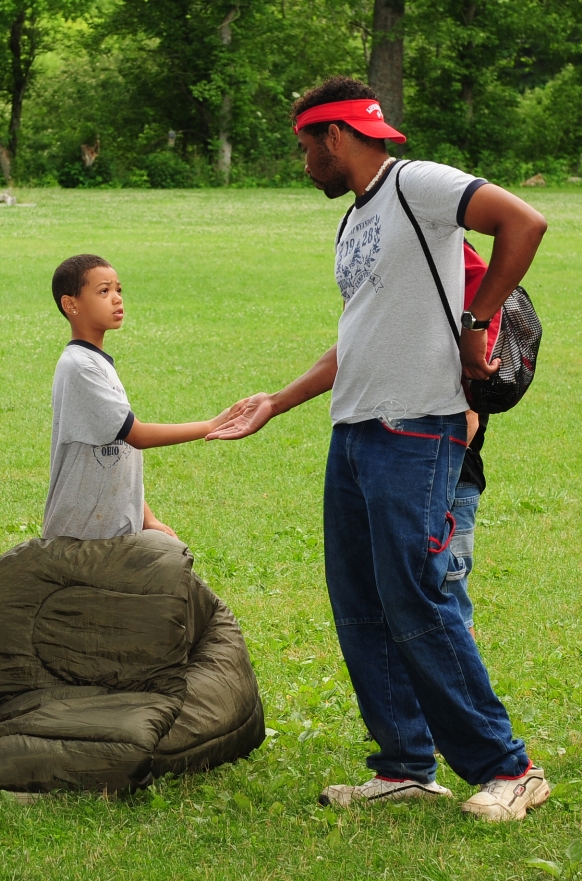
[
  {"x": 509, "y": 799},
  {"x": 377, "y": 789}
]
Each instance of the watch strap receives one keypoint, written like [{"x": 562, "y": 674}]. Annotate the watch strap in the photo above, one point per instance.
[{"x": 476, "y": 323}]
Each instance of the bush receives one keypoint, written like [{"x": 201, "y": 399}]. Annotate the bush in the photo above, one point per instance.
[
  {"x": 167, "y": 171},
  {"x": 74, "y": 174},
  {"x": 551, "y": 118}
]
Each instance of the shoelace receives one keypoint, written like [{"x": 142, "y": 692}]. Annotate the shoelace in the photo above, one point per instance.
[{"x": 493, "y": 785}]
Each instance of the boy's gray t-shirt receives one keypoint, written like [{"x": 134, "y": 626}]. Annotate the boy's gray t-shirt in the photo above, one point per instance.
[
  {"x": 96, "y": 480},
  {"x": 396, "y": 352}
]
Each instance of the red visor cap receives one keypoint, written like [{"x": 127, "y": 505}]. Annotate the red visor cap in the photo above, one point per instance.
[{"x": 365, "y": 115}]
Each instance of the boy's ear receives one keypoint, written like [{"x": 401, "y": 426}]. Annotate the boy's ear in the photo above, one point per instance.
[{"x": 69, "y": 304}]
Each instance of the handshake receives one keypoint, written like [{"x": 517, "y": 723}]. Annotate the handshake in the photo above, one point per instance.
[{"x": 243, "y": 418}]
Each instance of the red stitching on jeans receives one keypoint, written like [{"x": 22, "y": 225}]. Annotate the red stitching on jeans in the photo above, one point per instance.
[
  {"x": 410, "y": 433},
  {"x": 456, "y": 440},
  {"x": 439, "y": 547}
]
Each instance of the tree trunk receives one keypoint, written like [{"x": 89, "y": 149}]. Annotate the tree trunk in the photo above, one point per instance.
[
  {"x": 385, "y": 69},
  {"x": 5, "y": 165},
  {"x": 468, "y": 79},
  {"x": 224, "y": 143},
  {"x": 20, "y": 75}
]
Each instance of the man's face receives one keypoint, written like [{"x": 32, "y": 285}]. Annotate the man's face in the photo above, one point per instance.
[
  {"x": 100, "y": 304},
  {"x": 322, "y": 166}
]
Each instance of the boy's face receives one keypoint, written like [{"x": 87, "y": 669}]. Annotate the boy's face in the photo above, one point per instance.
[{"x": 99, "y": 306}]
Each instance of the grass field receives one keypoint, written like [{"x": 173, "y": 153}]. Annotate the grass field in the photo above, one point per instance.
[{"x": 228, "y": 293}]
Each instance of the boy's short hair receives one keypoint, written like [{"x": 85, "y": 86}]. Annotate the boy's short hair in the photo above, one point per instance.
[
  {"x": 71, "y": 275},
  {"x": 337, "y": 88}
]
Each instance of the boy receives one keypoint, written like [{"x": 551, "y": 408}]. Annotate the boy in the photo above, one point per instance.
[{"x": 96, "y": 484}]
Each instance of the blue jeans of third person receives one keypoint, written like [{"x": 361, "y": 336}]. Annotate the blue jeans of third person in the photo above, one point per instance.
[
  {"x": 413, "y": 664},
  {"x": 464, "y": 511}
]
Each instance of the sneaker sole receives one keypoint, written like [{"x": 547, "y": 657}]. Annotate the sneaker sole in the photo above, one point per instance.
[{"x": 402, "y": 795}]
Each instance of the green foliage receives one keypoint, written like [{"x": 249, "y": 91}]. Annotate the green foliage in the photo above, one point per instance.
[
  {"x": 492, "y": 86},
  {"x": 470, "y": 69},
  {"x": 74, "y": 174},
  {"x": 569, "y": 871},
  {"x": 551, "y": 118},
  {"x": 167, "y": 170}
]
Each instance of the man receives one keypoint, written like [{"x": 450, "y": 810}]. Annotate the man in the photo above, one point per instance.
[{"x": 398, "y": 441}]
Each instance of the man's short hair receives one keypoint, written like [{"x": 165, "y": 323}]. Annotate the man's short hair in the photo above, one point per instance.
[
  {"x": 71, "y": 275},
  {"x": 337, "y": 88}
]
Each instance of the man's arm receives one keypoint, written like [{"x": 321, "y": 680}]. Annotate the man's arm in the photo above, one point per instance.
[
  {"x": 262, "y": 407},
  {"x": 144, "y": 435},
  {"x": 517, "y": 229},
  {"x": 152, "y": 522}
]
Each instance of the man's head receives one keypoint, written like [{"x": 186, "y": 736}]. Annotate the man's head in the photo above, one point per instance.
[
  {"x": 337, "y": 123},
  {"x": 88, "y": 293}
]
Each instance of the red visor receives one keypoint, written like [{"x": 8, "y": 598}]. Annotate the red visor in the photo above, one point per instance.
[{"x": 364, "y": 114}]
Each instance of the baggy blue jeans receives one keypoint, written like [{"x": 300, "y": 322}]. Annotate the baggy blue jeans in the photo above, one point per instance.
[{"x": 412, "y": 662}]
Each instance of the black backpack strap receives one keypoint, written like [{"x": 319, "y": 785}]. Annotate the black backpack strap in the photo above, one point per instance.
[
  {"x": 428, "y": 255},
  {"x": 343, "y": 224}
]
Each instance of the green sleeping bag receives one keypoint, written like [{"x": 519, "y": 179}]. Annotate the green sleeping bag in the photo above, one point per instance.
[{"x": 117, "y": 663}]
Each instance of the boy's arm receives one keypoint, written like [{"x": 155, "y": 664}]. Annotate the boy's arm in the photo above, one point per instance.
[
  {"x": 144, "y": 435},
  {"x": 151, "y": 522}
]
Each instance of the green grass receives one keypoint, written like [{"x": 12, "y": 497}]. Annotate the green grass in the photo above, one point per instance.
[{"x": 228, "y": 293}]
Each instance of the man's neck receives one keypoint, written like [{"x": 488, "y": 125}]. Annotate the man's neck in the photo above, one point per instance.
[{"x": 366, "y": 166}]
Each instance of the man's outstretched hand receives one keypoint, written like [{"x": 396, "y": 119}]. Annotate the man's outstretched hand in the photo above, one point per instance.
[{"x": 256, "y": 413}]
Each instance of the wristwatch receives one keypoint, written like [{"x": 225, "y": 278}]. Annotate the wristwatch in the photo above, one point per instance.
[{"x": 469, "y": 321}]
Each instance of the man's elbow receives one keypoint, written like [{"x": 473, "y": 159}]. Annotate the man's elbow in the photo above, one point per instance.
[{"x": 536, "y": 227}]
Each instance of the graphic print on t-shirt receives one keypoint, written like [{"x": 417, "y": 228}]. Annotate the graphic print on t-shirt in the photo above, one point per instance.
[
  {"x": 356, "y": 255},
  {"x": 109, "y": 455}
]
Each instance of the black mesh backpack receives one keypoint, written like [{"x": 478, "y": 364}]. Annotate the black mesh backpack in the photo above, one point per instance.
[{"x": 517, "y": 344}]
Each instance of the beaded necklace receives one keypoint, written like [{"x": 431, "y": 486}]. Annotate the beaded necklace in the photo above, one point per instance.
[{"x": 380, "y": 172}]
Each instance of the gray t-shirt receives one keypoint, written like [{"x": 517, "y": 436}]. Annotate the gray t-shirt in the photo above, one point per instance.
[
  {"x": 96, "y": 482},
  {"x": 396, "y": 351}
]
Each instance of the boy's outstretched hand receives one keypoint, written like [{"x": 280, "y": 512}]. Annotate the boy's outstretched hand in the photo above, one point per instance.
[
  {"x": 250, "y": 416},
  {"x": 227, "y": 416}
]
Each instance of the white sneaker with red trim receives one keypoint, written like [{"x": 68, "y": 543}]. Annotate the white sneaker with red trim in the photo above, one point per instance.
[
  {"x": 379, "y": 789},
  {"x": 506, "y": 798}
]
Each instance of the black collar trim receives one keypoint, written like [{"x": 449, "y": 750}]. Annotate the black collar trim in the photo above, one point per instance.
[
  {"x": 92, "y": 348},
  {"x": 365, "y": 197}
]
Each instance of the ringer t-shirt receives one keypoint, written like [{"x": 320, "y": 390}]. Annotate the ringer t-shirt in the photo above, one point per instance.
[
  {"x": 396, "y": 353},
  {"x": 96, "y": 479}
]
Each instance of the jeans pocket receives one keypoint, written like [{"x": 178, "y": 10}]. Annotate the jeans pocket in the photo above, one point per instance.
[
  {"x": 405, "y": 433},
  {"x": 456, "y": 569},
  {"x": 456, "y": 455}
]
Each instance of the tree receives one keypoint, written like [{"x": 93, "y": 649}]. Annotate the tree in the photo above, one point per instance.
[
  {"x": 469, "y": 61},
  {"x": 226, "y": 71},
  {"x": 385, "y": 71},
  {"x": 26, "y": 29},
  {"x": 225, "y": 146}
]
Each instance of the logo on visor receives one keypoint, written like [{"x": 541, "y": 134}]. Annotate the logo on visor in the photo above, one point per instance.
[{"x": 377, "y": 109}]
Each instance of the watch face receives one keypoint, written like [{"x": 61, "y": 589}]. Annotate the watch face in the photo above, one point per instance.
[{"x": 467, "y": 320}]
